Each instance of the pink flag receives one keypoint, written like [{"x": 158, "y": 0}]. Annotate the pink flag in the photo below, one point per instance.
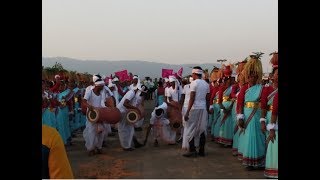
[
  {"x": 123, "y": 75},
  {"x": 127, "y": 78},
  {"x": 179, "y": 73},
  {"x": 166, "y": 73}
]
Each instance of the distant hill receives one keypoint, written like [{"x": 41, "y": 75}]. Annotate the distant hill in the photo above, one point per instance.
[{"x": 141, "y": 68}]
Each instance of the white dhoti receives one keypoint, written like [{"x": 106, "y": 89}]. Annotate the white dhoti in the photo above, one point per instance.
[
  {"x": 185, "y": 142},
  {"x": 107, "y": 128},
  {"x": 139, "y": 123},
  {"x": 92, "y": 137},
  {"x": 126, "y": 132},
  {"x": 196, "y": 125}
]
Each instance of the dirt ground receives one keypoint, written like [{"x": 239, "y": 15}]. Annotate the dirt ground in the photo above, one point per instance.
[{"x": 149, "y": 162}]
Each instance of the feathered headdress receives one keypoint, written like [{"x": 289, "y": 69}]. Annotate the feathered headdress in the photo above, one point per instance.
[
  {"x": 254, "y": 66},
  {"x": 215, "y": 74},
  {"x": 240, "y": 66}
]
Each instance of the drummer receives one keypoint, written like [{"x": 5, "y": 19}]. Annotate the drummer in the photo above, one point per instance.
[
  {"x": 160, "y": 124},
  {"x": 126, "y": 129},
  {"x": 94, "y": 132},
  {"x": 174, "y": 94}
]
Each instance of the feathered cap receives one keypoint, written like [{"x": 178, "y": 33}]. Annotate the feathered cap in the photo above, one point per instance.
[
  {"x": 240, "y": 66},
  {"x": 215, "y": 74},
  {"x": 227, "y": 71},
  {"x": 254, "y": 66}
]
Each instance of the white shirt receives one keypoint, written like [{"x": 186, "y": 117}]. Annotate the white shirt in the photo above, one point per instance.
[
  {"x": 116, "y": 94},
  {"x": 166, "y": 92},
  {"x": 175, "y": 94},
  {"x": 93, "y": 99},
  {"x": 132, "y": 86},
  {"x": 186, "y": 91},
  {"x": 108, "y": 92},
  {"x": 130, "y": 96},
  {"x": 201, "y": 87},
  {"x": 138, "y": 99}
]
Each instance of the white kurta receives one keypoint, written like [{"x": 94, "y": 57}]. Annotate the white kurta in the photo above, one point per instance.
[
  {"x": 125, "y": 129},
  {"x": 186, "y": 91},
  {"x": 138, "y": 103}
]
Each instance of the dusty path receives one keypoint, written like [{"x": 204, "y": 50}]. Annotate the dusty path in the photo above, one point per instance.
[{"x": 165, "y": 161}]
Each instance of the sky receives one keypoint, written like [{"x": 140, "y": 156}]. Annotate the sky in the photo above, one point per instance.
[{"x": 167, "y": 31}]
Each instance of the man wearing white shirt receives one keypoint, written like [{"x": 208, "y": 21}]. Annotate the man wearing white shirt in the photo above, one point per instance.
[
  {"x": 94, "y": 132},
  {"x": 174, "y": 91},
  {"x": 197, "y": 113},
  {"x": 126, "y": 129},
  {"x": 135, "y": 82}
]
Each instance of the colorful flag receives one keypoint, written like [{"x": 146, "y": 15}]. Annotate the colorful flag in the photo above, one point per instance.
[
  {"x": 166, "y": 73},
  {"x": 122, "y": 75},
  {"x": 179, "y": 73}
]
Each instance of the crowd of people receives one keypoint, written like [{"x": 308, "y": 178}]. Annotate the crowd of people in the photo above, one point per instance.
[{"x": 237, "y": 112}]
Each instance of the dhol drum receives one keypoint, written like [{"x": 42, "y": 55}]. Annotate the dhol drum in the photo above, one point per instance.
[
  {"x": 174, "y": 115},
  {"x": 133, "y": 116},
  {"x": 106, "y": 114}
]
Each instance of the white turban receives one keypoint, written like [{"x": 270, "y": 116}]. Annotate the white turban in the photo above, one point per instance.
[
  {"x": 166, "y": 80},
  {"x": 197, "y": 71},
  {"x": 163, "y": 106},
  {"x": 115, "y": 79},
  {"x": 172, "y": 79},
  {"x": 135, "y": 77},
  {"x": 99, "y": 83},
  {"x": 97, "y": 80},
  {"x": 110, "y": 84}
]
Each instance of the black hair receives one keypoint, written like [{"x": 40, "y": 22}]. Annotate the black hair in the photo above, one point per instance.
[
  {"x": 197, "y": 67},
  {"x": 199, "y": 75},
  {"x": 98, "y": 75},
  {"x": 159, "y": 111}
]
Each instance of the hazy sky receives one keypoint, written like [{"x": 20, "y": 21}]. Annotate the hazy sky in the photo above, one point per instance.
[{"x": 168, "y": 31}]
